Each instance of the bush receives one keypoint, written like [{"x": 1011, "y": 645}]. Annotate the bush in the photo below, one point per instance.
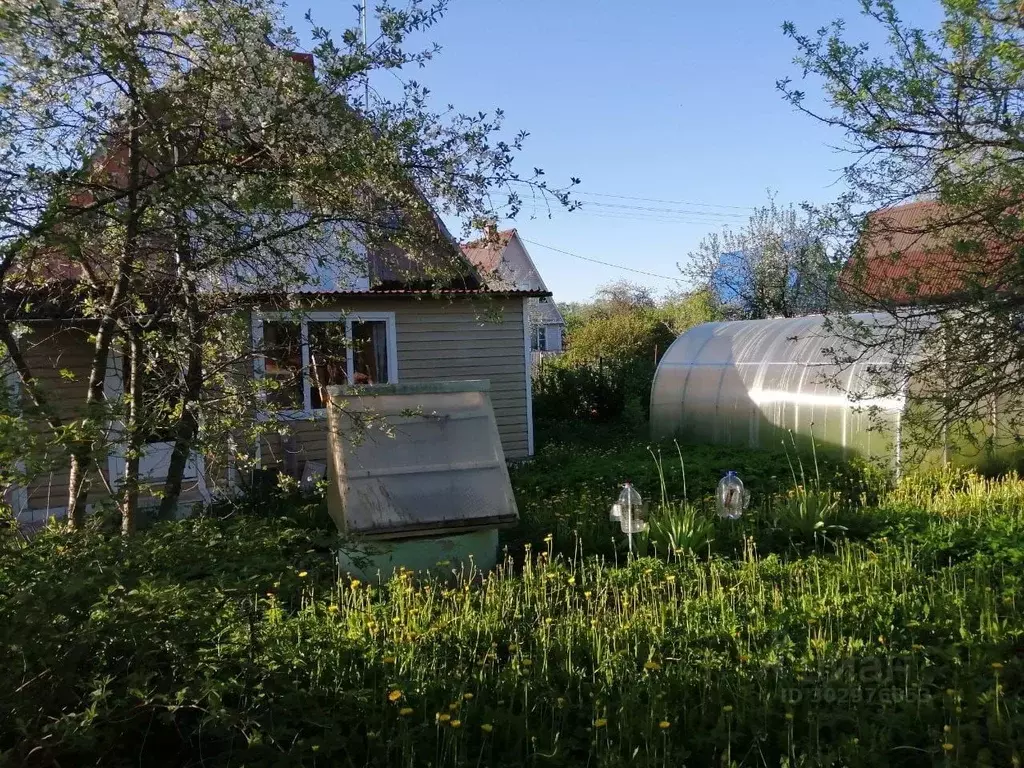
[{"x": 602, "y": 392}]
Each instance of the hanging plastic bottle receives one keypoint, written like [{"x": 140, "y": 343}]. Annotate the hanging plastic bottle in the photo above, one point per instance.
[
  {"x": 631, "y": 510},
  {"x": 732, "y": 498}
]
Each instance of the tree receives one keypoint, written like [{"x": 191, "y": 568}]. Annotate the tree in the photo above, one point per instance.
[
  {"x": 167, "y": 162},
  {"x": 775, "y": 265},
  {"x": 939, "y": 115}
]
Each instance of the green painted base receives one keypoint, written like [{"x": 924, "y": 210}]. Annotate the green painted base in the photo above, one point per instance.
[{"x": 372, "y": 560}]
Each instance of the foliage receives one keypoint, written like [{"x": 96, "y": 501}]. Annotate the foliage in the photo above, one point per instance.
[
  {"x": 681, "y": 529},
  {"x": 229, "y": 639},
  {"x": 931, "y": 115},
  {"x": 616, "y": 390},
  {"x": 775, "y": 265},
  {"x": 167, "y": 160}
]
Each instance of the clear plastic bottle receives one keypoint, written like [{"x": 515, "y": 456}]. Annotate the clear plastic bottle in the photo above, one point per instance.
[
  {"x": 631, "y": 510},
  {"x": 732, "y": 497}
]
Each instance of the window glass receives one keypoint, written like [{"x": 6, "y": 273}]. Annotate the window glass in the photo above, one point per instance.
[
  {"x": 328, "y": 358},
  {"x": 282, "y": 350},
  {"x": 370, "y": 352}
]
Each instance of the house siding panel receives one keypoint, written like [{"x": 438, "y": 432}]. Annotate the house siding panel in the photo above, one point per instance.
[{"x": 439, "y": 340}]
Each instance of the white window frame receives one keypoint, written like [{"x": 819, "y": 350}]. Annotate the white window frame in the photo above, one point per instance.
[
  {"x": 304, "y": 319},
  {"x": 542, "y": 338}
]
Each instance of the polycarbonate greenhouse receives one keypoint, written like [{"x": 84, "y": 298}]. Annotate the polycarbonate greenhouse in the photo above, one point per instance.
[{"x": 751, "y": 382}]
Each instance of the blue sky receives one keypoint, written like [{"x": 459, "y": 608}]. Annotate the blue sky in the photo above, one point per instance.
[{"x": 669, "y": 100}]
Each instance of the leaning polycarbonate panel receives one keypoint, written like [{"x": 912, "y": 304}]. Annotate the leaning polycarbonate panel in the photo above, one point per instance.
[{"x": 753, "y": 382}]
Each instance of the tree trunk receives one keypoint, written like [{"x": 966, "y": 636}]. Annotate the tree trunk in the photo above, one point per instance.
[
  {"x": 133, "y": 431},
  {"x": 83, "y": 450},
  {"x": 188, "y": 424}
]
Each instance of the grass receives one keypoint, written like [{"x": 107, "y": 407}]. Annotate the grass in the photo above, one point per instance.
[{"x": 889, "y": 634}]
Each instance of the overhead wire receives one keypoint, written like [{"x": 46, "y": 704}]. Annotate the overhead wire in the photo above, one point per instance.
[{"x": 598, "y": 261}]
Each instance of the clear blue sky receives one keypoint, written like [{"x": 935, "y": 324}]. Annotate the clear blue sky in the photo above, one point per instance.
[{"x": 658, "y": 99}]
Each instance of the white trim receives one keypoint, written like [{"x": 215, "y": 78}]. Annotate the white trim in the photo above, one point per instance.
[
  {"x": 528, "y": 367},
  {"x": 303, "y": 319}
]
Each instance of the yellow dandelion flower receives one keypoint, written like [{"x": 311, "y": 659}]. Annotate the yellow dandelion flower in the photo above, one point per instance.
[
  {"x": 664, "y": 724},
  {"x": 405, "y": 711},
  {"x": 670, "y": 578},
  {"x": 389, "y": 659},
  {"x": 947, "y": 728},
  {"x": 789, "y": 716},
  {"x": 652, "y": 666},
  {"x": 549, "y": 620},
  {"x": 587, "y": 594},
  {"x": 727, "y": 708},
  {"x": 917, "y": 647},
  {"x": 601, "y": 722},
  {"x": 467, "y": 696},
  {"x": 443, "y": 717},
  {"x": 486, "y": 727},
  {"x": 512, "y": 647},
  {"x": 572, "y": 580},
  {"x": 371, "y": 735},
  {"x": 527, "y": 662},
  {"x": 332, "y": 608},
  {"x": 395, "y": 695},
  {"x": 996, "y": 666},
  {"x": 453, "y": 706},
  {"x": 947, "y": 747},
  {"x": 303, "y": 574},
  {"x": 560, "y": 701},
  {"x": 455, "y": 723},
  {"x": 950, "y": 692},
  {"x": 355, "y": 584}
]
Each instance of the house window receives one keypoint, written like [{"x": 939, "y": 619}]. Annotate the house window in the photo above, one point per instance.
[
  {"x": 540, "y": 339},
  {"x": 323, "y": 349}
]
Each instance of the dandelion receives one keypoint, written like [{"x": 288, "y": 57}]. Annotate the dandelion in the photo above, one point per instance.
[
  {"x": 395, "y": 695},
  {"x": 371, "y": 735},
  {"x": 664, "y": 724},
  {"x": 917, "y": 647},
  {"x": 390, "y": 659},
  {"x": 950, "y": 692},
  {"x": 512, "y": 647},
  {"x": 560, "y": 701},
  {"x": 652, "y": 666},
  {"x": 527, "y": 662},
  {"x": 486, "y": 727},
  {"x": 443, "y": 717},
  {"x": 947, "y": 728},
  {"x": 670, "y": 578},
  {"x": 455, "y": 723},
  {"x": 332, "y": 608},
  {"x": 467, "y": 696},
  {"x": 947, "y": 747},
  {"x": 789, "y": 716},
  {"x": 405, "y": 711},
  {"x": 587, "y": 595},
  {"x": 601, "y": 722},
  {"x": 727, "y": 708},
  {"x": 572, "y": 580},
  {"x": 996, "y": 666},
  {"x": 303, "y": 574},
  {"x": 453, "y": 706},
  {"x": 355, "y": 584}
]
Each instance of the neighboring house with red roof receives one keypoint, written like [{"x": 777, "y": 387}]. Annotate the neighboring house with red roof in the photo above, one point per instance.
[
  {"x": 909, "y": 256},
  {"x": 503, "y": 263}
]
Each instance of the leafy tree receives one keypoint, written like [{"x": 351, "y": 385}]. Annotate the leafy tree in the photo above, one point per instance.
[
  {"x": 166, "y": 164},
  {"x": 774, "y": 265},
  {"x": 938, "y": 115}
]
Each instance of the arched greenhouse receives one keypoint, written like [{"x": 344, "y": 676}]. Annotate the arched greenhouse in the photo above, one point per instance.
[{"x": 752, "y": 382}]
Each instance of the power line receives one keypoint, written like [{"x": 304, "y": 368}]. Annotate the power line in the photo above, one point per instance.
[
  {"x": 598, "y": 261},
  {"x": 668, "y": 202},
  {"x": 583, "y": 193},
  {"x": 674, "y": 211}
]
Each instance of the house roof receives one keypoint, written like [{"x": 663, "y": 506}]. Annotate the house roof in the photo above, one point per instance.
[
  {"x": 485, "y": 252},
  {"x": 908, "y": 256}
]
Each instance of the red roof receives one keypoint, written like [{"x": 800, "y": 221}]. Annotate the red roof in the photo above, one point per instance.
[
  {"x": 909, "y": 256},
  {"x": 485, "y": 252}
]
